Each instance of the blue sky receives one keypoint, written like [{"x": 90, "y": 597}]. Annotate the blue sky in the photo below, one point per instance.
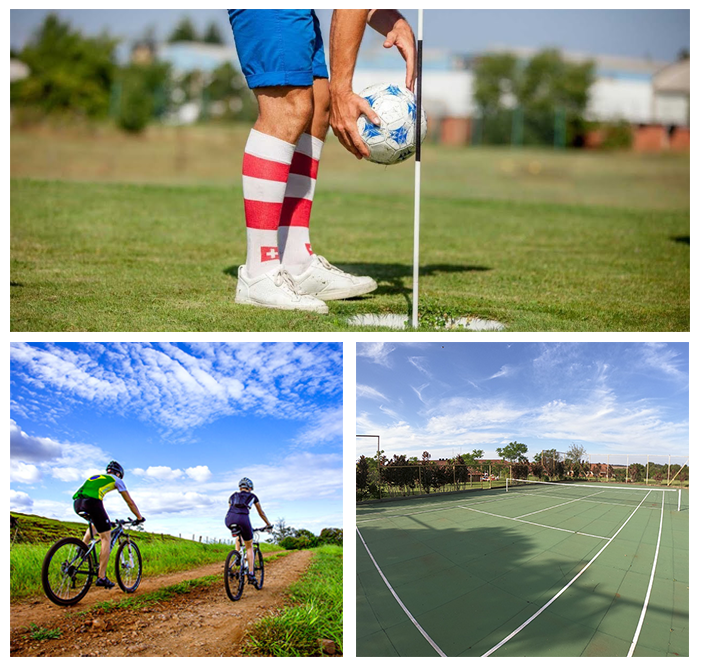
[
  {"x": 450, "y": 398},
  {"x": 658, "y": 34},
  {"x": 186, "y": 421}
]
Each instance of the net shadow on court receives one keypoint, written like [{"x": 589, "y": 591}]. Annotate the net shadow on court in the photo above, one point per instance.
[{"x": 503, "y": 574}]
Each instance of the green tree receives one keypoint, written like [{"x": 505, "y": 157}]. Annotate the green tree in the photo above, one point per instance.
[
  {"x": 331, "y": 535},
  {"x": 531, "y": 95},
  {"x": 575, "y": 459},
  {"x": 362, "y": 477},
  {"x": 472, "y": 459},
  {"x": 512, "y": 452},
  {"x": 212, "y": 34},
  {"x": 184, "y": 32},
  {"x": 69, "y": 73},
  {"x": 227, "y": 86},
  {"x": 142, "y": 91},
  {"x": 281, "y": 531},
  {"x": 495, "y": 77}
]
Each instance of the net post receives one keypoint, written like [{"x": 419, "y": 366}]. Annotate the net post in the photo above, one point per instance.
[{"x": 678, "y": 508}]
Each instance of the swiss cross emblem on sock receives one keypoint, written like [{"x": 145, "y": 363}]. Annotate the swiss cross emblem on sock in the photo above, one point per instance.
[{"x": 269, "y": 253}]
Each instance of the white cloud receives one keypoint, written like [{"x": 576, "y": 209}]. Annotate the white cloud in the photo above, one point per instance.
[
  {"x": 200, "y": 474},
  {"x": 20, "y": 501},
  {"x": 368, "y": 391},
  {"x": 183, "y": 387},
  {"x": 376, "y": 352},
  {"x": 22, "y": 472},
  {"x": 324, "y": 425},
  {"x": 159, "y": 473},
  {"x": 67, "y": 474},
  {"x": 32, "y": 449}
]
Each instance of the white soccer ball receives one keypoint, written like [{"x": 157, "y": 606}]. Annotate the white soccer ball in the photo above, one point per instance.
[{"x": 394, "y": 140}]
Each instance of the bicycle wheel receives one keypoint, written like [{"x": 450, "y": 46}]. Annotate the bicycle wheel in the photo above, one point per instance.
[
  {"x": 128, "y": 566},
  {"x": 258, "y": 568},
  {"x": 67, "y": 572},
  {"x": 234, "y": 579}
]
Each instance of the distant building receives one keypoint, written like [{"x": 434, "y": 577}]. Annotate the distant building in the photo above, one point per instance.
[
  {"x": 653, "y": 96},
  {"x": 646, "y": 93},
  {"x": 18, "y": 70}
]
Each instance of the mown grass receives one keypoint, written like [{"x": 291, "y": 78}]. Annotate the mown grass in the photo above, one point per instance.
[
  {"x": 314, "y": 612},
  {"x": 145, "y": 234},
  {"x": 160, "y": 555},
  {"x": 107, "y": 257}
]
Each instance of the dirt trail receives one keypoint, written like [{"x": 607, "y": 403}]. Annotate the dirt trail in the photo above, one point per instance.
[{"x": 204, "y": 623}]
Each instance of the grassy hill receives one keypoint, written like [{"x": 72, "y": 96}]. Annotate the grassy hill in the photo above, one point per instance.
[{"x": 32, "y": 535}]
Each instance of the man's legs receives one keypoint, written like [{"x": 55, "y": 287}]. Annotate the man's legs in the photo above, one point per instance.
[
  {"x": 294, "y": 231},
  {"x": 284, "y": 113},
  {"x": 104, "y": 548}
]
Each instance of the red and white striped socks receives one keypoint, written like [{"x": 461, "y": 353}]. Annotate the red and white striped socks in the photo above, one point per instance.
[
  {"x": 265, "y": 172},
  {"x": 294, "y": 230}
]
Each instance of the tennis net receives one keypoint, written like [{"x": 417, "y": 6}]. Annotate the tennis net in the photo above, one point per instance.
[{"x": 604, "y": 494}]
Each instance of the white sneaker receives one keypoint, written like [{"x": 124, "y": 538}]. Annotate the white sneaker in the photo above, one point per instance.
[
  {"x": 275, "y": 289},
  {"x": 327, "y": 282}
]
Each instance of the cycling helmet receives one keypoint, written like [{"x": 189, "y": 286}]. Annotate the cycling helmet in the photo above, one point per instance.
[
  {"x": 115, "y": 468},
  {"x": 246, "y": 483}
]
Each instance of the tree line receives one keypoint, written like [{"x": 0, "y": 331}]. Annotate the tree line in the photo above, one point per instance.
[
  {"x": 74, "y": 77},
  {"x": 406, "y": 476}
]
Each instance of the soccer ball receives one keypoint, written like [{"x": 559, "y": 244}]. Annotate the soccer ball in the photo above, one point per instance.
[{"x": 394, "y": 140}]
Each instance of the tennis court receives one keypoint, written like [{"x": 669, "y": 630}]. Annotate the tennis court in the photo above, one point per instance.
[{"x": 525, "y": 570}]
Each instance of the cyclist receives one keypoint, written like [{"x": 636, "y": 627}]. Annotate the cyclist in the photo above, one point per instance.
[
  {"x": 88, "y": 501},
  {"x": 240, "y": 504}
]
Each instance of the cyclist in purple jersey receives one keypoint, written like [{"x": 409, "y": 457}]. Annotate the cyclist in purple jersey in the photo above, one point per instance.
[{"x": 240, "y": 504}]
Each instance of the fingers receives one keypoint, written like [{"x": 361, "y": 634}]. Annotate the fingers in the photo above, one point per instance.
[{"x": 345, "y": 113}]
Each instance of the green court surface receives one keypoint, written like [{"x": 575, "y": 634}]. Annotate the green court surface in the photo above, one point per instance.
[{"x": 529, "y": 573}]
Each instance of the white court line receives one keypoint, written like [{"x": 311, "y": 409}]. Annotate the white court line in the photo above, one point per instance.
[
  {"x": 529, "y": 522},
  {"x": 564, "y": 589},
  {"x": 649, "y": 589},
  {"x": 556, "y": 506},
  {"x": 397, "y": 599}
]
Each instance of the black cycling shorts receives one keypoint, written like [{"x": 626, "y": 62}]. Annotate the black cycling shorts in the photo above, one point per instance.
[
  {"x": 241, "y": 519},
  {"x": 95, "y": 510}
]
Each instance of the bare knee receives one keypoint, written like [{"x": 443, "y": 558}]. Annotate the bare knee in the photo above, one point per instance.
[
  {"x": 284, "y": 111},
  {"x": 321, "y": 112}
]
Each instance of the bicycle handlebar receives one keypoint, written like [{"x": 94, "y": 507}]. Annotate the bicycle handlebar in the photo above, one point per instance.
[{"x": 130, "y": 521}]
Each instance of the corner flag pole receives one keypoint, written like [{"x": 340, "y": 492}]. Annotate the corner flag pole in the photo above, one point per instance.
[{"x": 418, "y": 141}]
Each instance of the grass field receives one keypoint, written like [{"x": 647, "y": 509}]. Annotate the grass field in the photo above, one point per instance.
[
  {"x": 314, "y": 612},
  {"x": 161, "y": 554},
  {"x": 112, "y": 233}
]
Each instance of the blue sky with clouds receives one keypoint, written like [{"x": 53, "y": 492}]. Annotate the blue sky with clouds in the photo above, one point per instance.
[
  {"x": 450, "y": 398},
  {"x": 186, "y": 421},
  {"x": 653, "y": 33}
]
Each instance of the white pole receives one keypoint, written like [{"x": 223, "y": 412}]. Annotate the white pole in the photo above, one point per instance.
[{"x": 418, "y": 124}]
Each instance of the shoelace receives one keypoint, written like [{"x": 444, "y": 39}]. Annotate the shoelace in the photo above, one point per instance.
[
  {"x": 283, "y": 276},
  {"x": 329, "y": 266}
]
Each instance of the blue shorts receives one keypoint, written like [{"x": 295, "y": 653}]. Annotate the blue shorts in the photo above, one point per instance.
[{"x": 278, "y": 47}]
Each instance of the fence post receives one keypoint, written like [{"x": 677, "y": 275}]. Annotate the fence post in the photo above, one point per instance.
[
  {"x": 517, "y": 127},
  {"x": 559, "y": 128}
]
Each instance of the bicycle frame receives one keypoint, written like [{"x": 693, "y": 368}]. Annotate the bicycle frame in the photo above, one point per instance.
[{"x": 115, "y": 534}]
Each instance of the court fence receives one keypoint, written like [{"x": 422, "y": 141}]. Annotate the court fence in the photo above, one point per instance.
[{"x": 393, "y": 481}]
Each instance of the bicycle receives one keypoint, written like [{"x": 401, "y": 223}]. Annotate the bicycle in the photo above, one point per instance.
[
  {"x": 69, "y": 566},
  {"x": 237, "y": 567}
]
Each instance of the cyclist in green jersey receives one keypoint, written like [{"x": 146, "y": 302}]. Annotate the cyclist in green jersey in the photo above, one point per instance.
[{"x": 88, "y": 501}]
